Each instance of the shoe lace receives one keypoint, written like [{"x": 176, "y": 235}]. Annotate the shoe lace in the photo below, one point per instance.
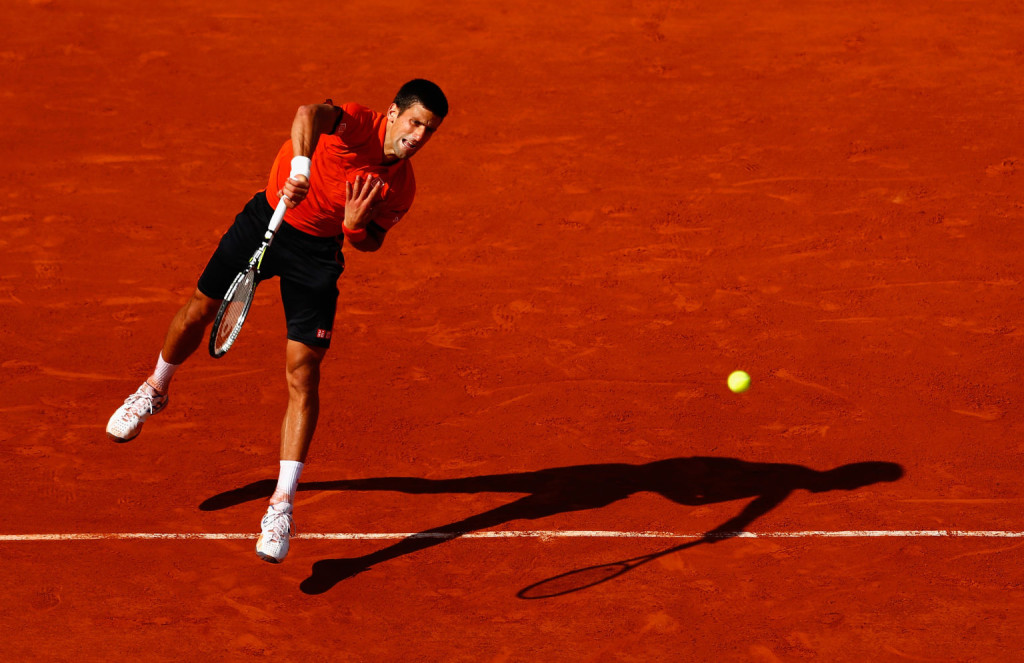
[
  {"x": 138, "y": 403},
  {"x": 278, "y": 524}
]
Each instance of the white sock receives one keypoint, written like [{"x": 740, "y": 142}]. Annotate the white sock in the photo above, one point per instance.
[
  {"x": 288, "y": 479},
  {"x": 161, "y": 378}
]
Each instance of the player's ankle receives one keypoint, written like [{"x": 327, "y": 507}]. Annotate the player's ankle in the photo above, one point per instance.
[
  {"x": 153, "y": 389},
  {"x": 287, "y": 481},
  {"x": 160, "y": 379},
  {"x": 280, "y": 497}
]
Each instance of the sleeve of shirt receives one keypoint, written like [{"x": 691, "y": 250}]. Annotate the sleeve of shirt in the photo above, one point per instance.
[{"x": 355, "y": 124}]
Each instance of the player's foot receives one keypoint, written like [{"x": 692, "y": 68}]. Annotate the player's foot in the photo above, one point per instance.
[
  {"x": 126, "y": 423},
  {"x": 276, "y": 527}
]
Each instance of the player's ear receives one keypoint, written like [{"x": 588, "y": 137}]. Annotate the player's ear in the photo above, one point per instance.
[{"x": 393, "y": 112}]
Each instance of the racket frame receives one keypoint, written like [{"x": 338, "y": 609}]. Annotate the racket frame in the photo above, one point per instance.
[{"x": 551, "y": 587}]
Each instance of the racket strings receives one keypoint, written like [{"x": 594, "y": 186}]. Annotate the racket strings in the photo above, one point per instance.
[{"x": 236, "y": 306}]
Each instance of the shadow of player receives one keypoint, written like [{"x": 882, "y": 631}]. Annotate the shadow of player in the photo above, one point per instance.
[{"x": 688, "y": 481}]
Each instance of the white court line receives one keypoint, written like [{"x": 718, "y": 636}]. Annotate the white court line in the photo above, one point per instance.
[{"x": 522, "y": 534}]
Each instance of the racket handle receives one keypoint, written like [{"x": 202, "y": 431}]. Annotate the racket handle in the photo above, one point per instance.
[{"x": 276, "y": 219}]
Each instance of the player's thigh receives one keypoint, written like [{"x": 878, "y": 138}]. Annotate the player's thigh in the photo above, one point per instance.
[
  {"x": 309, "y": 313},
  {"x": 310, "y": 303}
]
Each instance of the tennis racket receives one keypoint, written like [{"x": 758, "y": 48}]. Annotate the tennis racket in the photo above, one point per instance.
[
  {"x": 238, "y": 299},
  {"x": 574, "y": 581}
]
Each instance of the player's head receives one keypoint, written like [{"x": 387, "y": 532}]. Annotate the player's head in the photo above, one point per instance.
[
  {"x": 417, "y": 112},
  {"x": 857, "y": 475},
  {"x": 424, "y": 93}
]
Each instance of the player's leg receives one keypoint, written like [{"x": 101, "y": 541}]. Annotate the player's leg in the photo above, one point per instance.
[
  {"x": 309, "y": 268},
  {"x": 303, "y": 377},
  {"x": 302, "y": 373},
  {"x": 185, "y": 333},
  {"x": 183, "y": 337},
  {"x": 188, "y": 329},
  {"x": 188, "y": 326}
]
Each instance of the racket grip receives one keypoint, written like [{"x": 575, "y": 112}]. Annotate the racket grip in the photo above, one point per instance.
[{"x": 276, "y": 219}]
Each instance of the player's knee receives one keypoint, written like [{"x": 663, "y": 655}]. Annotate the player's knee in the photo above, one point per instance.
[
  {"x": 303, "y": 381},
  {"x": 201, "y": 310},
  {"x": 303, "y": 372}
]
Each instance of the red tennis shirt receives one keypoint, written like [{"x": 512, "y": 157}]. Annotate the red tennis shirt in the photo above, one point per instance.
[{"x": 355, "y": 149}]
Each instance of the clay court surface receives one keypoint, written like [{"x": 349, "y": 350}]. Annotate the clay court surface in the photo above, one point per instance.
[{"x": 627, "y": 202}]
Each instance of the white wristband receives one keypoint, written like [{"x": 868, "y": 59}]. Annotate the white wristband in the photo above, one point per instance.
[{"x": 300, "y": 166}]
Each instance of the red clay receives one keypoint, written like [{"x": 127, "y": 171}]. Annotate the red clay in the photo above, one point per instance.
[{"x": 625, "y": 204}]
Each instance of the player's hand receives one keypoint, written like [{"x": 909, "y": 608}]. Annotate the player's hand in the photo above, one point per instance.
[
  {"x": 360, "y": 197},
  {"x": 294, "y": 190}
]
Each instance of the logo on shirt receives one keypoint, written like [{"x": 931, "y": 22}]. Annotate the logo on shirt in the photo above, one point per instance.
[{"x": 323, "y": 333}]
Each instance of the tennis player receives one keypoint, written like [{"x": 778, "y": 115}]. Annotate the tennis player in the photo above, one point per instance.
[{"x": 344, "y": 175}]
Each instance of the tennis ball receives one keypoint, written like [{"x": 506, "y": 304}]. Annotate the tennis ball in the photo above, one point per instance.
[{"x": 739, "y": 381}]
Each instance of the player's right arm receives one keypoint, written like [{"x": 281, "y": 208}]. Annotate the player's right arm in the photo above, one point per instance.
[
  {"x": 754, "y": 510},
  {"x": 311, "y": 121}
]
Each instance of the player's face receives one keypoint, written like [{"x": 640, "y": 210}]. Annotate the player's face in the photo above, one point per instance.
[{"x": 408, "y": 131}]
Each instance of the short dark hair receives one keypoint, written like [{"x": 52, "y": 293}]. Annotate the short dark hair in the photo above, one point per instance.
[{"x": 425, "y": 93}]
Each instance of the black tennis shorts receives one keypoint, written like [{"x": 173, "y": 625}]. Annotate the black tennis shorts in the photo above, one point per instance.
[{"x": 307, "y": 266}]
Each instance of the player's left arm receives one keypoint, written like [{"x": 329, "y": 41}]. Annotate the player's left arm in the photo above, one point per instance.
[
  {"x": 368, "y": 218},
  {"x": 371, "y": 241}
]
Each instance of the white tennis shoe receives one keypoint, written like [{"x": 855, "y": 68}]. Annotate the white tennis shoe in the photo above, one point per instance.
[
  {"x": 276, "y": 527},
  {"x": 126, "y": 423}
]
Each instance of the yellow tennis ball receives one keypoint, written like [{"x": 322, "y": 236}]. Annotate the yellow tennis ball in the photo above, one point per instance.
[{"x": 739, "y": 381}]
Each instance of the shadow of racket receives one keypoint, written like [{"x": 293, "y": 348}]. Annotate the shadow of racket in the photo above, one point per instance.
[{"x": 574, "y": 581}]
